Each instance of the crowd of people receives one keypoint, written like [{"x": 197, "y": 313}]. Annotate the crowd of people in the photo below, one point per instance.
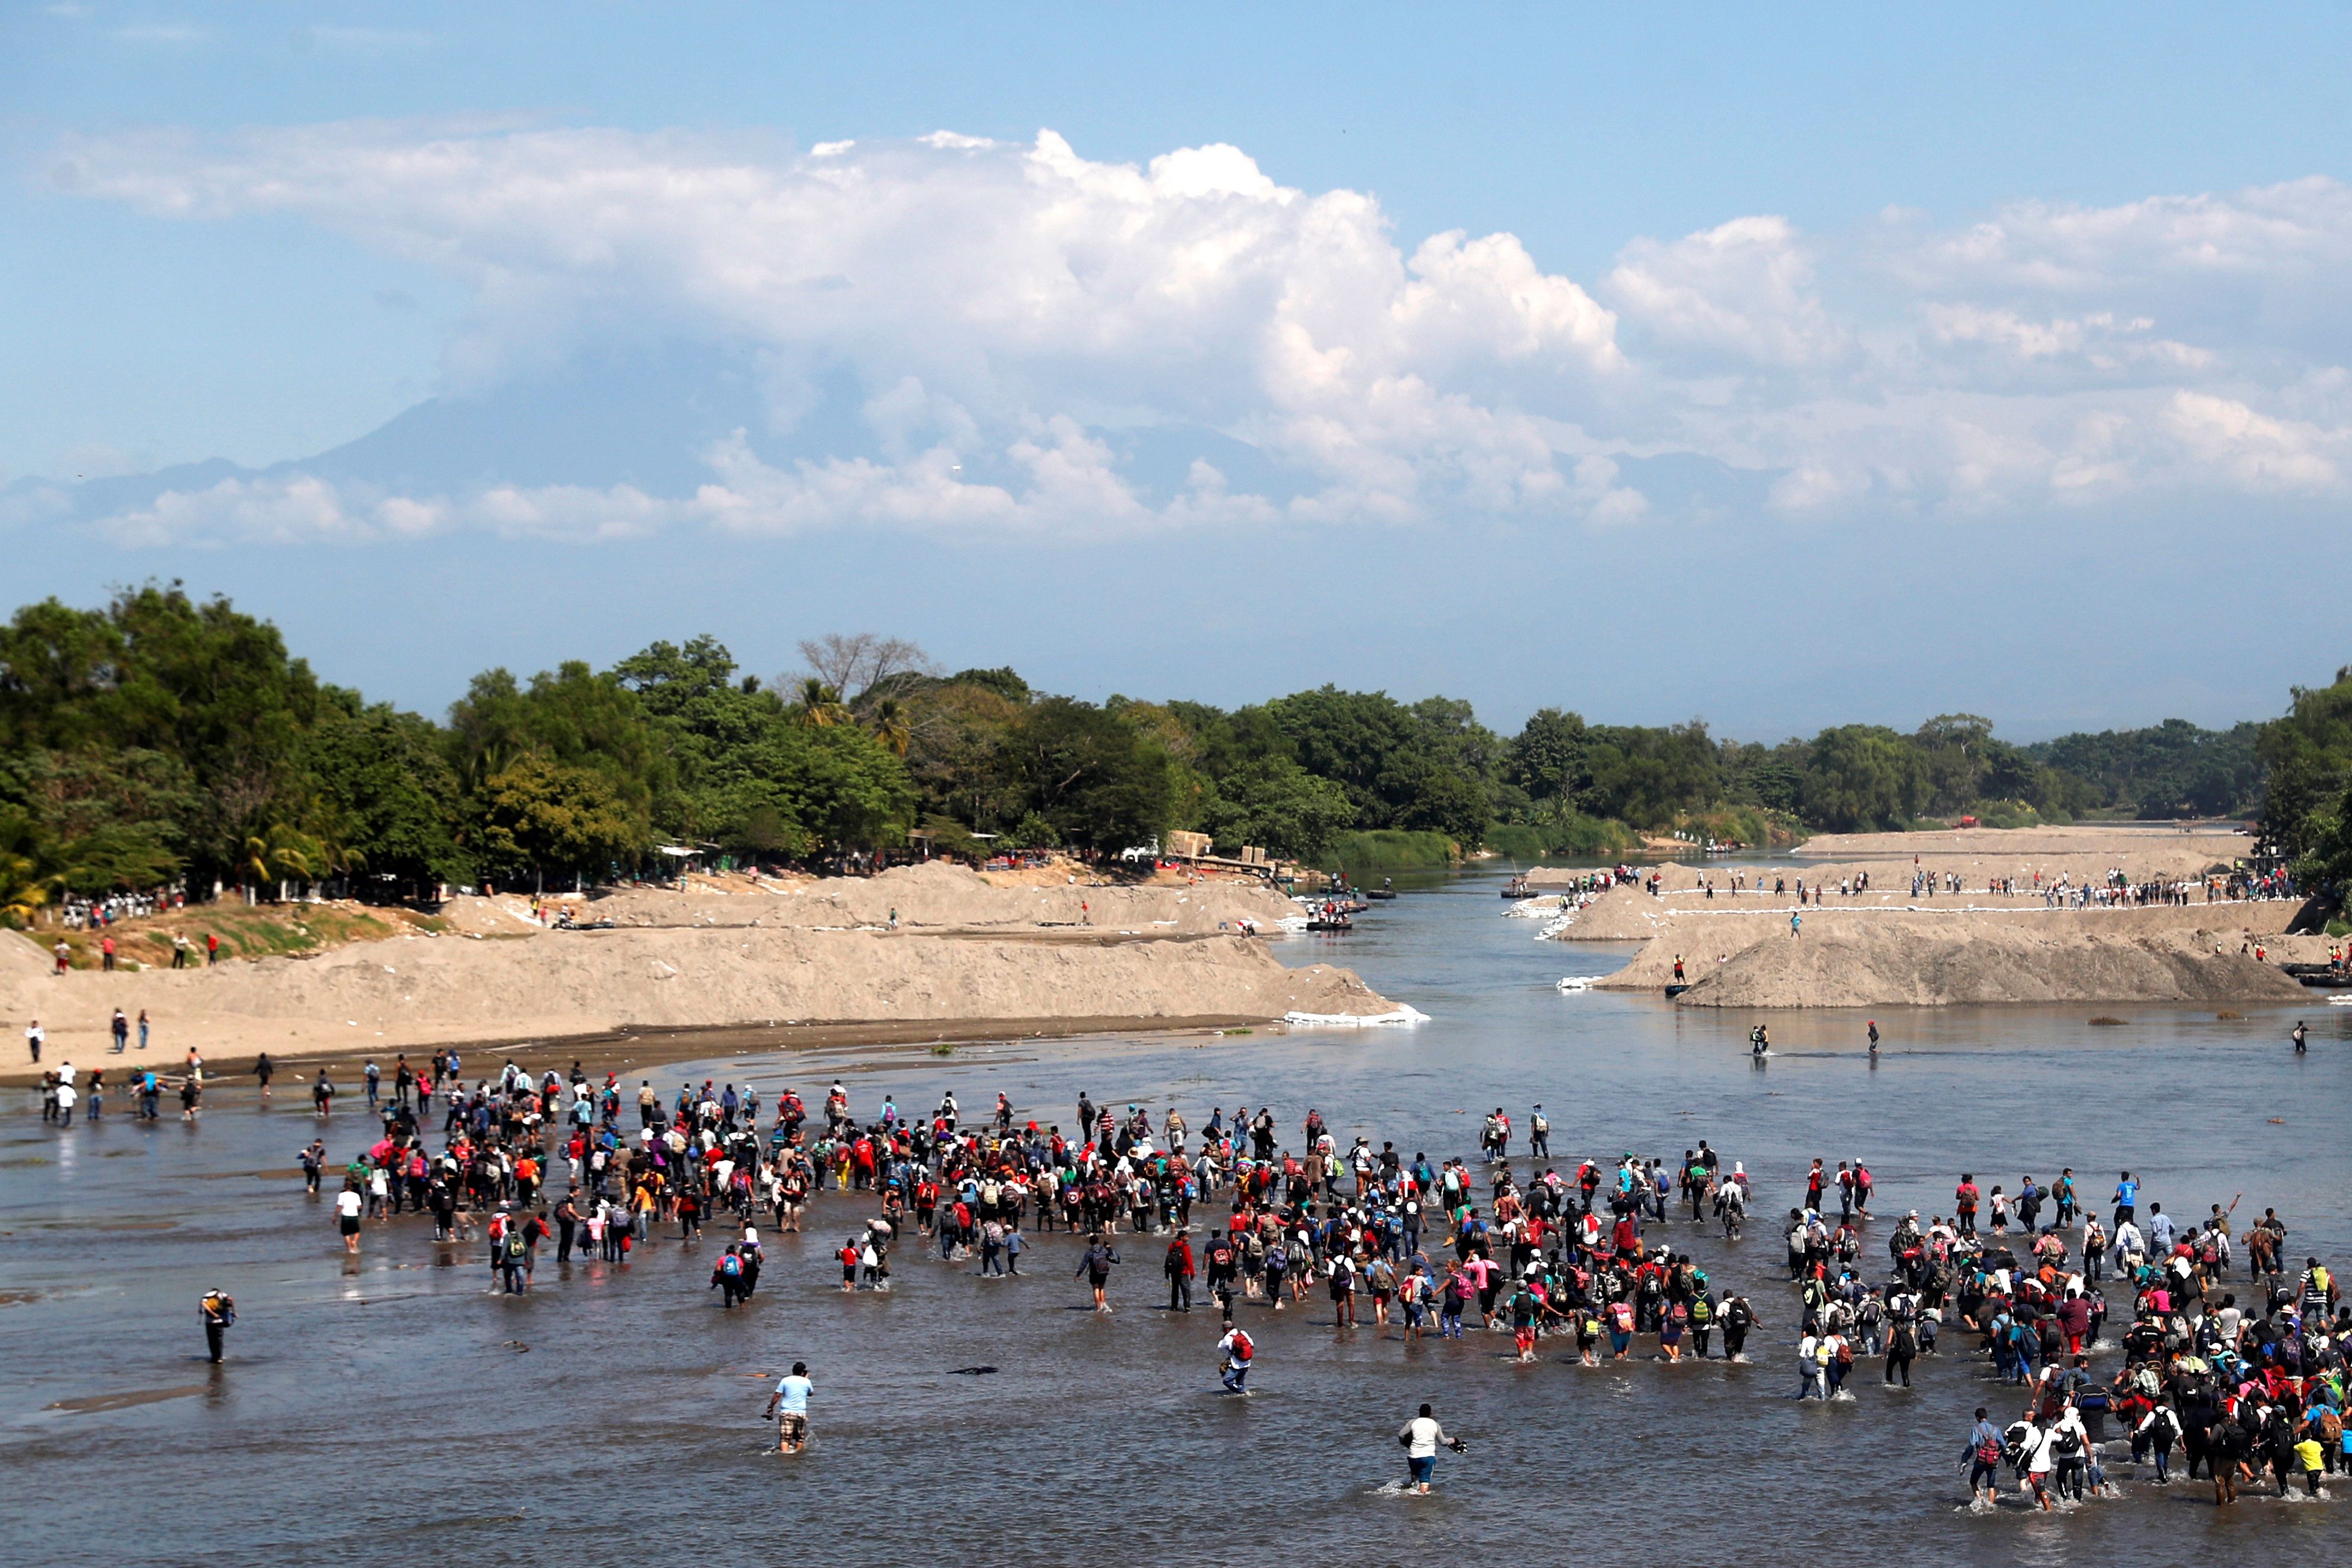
[{"x": 1581, "y": 1251}]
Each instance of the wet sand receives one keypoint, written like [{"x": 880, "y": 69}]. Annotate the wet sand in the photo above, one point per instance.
[{"x": 615, "y": 1051}]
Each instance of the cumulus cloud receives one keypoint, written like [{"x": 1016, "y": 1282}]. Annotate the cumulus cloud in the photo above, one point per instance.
[
  {"x": 1006, "y": 308},
  {"x": 1744, "y": 289}
]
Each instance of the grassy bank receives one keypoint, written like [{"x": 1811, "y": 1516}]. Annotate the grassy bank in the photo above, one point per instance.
[
  {"x": 1577, "y": 837},
  {"x": 1755, "y": 827},
  {"x": 260, "y": 930}
]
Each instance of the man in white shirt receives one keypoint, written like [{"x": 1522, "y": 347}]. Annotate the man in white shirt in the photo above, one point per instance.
[
  {"x": 789, "y": 1405},
  {"x": 65, "y": 1101},
  {"x": 1421, "y": 1437},
  {"x": 35, "y": 1037}
]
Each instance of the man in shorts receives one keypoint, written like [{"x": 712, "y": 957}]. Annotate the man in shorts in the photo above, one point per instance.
[{"x": 789, "y": 1407}]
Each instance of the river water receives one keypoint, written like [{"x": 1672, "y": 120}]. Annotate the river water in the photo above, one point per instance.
[{"x": 391, "y": 1410}]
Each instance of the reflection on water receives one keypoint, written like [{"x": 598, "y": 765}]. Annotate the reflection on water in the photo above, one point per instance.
[{"x": 392, "y": 1406}]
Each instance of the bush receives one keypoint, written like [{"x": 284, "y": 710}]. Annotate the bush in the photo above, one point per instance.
[
  {"x": 1571, "y": 835},
  {"x": 1389, "y": 849}
]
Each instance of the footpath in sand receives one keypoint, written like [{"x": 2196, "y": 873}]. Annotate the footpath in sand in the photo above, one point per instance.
[
  {"x": 966, "y": 959},
  {"x": 1885, "y": 947}
]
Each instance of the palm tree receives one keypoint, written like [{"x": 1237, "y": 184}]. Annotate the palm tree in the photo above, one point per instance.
[
  {"x": 331, "y": 829},
  {"x": 281, "y": 855},
  {"x": 23, "y": 890},
  {"x": 890, "y": 727},
  {"x": 820, "y": 706}
]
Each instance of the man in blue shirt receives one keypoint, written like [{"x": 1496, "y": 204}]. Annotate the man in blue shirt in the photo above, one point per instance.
[
  {"x": 789, "y": 1405},
  {"x": 2126, "y": 1199},
  {"x": 2160, "y": 1229}
]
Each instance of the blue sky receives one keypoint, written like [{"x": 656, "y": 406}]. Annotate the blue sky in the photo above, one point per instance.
[{"x": 1784, "y": 369}]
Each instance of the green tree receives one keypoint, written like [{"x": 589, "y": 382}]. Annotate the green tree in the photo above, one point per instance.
[
  {"x": 381, "y": 792},
  {"x": 1861, "y": 776},
  {"x": 1278, "y": 805},
  {"x": 1098, "y": 781},
  {"x": 2308, "y": 758},
  {"x": 1647, "y": 776},
  {"x": 1547, "y": 757},
  {"x": 536, "y": 814}
]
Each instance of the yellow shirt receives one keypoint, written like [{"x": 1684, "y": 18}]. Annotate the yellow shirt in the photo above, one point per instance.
[{"x": 2308, "y": 1452}]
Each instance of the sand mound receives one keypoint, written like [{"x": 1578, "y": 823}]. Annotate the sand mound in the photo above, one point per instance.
[
  {"x": 1619, "y": 914},
  {"x": 21, "y": 956},
  {"x": 417, "y": 990},
  {"x": 941, "y": 895},
  {"x": 1932, "y": 963},
  {"x": 2082, "y": 856},
  {"x": 503, "y": 914},
  {"x": 1868, "y": 958},
  {"x": 2089, "y": 850}
]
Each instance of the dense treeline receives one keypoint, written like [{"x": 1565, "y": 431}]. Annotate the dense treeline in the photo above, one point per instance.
[
  {"x": 2307, "y": 786},
  {"x": 163, "y": 738}
]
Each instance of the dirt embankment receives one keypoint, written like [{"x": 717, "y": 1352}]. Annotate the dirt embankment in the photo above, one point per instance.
[
  {"x": 942, "y": 895},
  {"x": 964, "y": 951},
  {"x": 2031, "y": 858},
  {"x": 2154, "y": 850}
]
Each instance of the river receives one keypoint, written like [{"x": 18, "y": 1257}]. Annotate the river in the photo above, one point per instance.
[{"x": 391, "y": 1410}]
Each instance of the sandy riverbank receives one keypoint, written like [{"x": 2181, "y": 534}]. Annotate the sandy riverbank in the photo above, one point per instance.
[
  {"x": 1886, "y": 947},
  {"x": 2079, "y": 855},
  {"x": 944, "y": 896},
  {"x": 1151, "y": 959}
]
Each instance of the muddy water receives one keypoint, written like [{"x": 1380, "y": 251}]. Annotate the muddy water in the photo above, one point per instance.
[{"x": 393, "y": 1410}]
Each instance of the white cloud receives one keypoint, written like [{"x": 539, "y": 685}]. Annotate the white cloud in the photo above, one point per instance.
[
  {"x": 1744, "y": 288},
  {"x": 1001, "y": 306},
  {"x": 302, "y": 508},
  {"x": 167, "y": 35}
]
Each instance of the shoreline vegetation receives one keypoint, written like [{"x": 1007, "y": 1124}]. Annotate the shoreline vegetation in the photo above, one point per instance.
[
  {"x": 172, "y": 760},
  {"x": 163, "y": 742}
]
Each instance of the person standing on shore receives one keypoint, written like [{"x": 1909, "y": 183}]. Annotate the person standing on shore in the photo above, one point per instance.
[
  {"x": 219, "y": 1310},
  {"x": 35, "y": 1037}
]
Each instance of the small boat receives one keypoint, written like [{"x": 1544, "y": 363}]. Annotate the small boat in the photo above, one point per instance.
[
  {"x": 1517, "y": 887},
  {"x": 1330, "y": 923},
  {"x": 1676, "y": 990},
  {"x": 1381, "y": 893}
]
